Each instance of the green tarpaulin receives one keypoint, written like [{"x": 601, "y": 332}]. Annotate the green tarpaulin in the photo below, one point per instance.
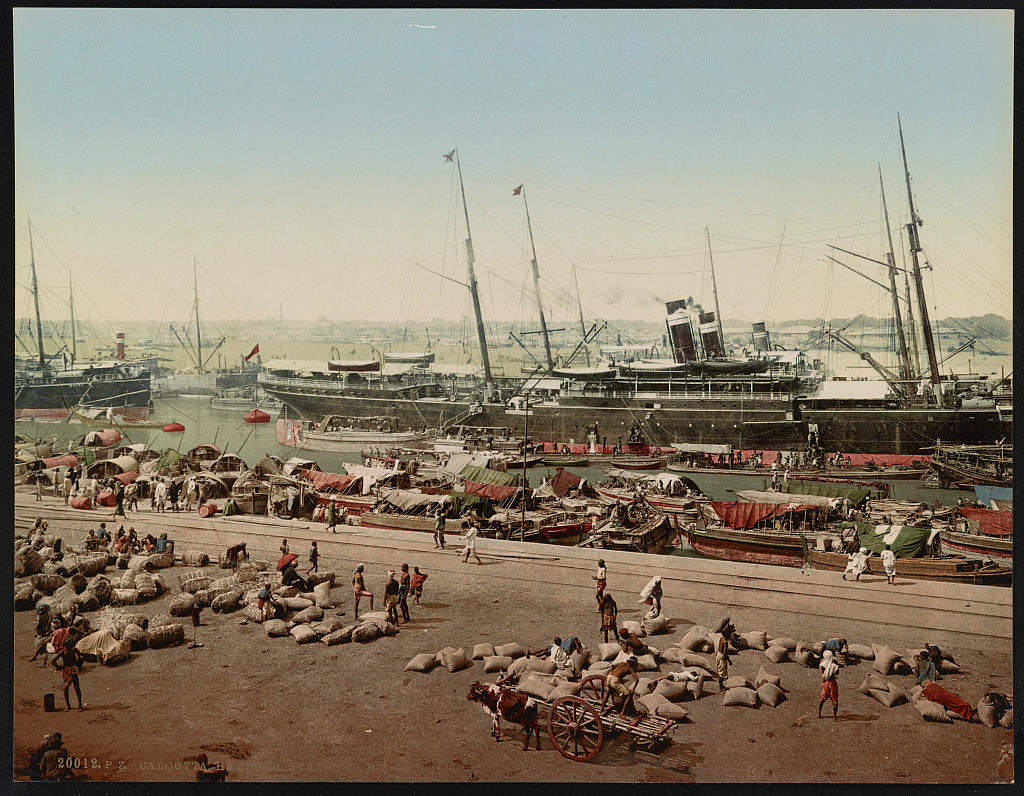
[
  {"x": 907, "y": 542},
  {"x": 462, "y": 502},
  {"x": 484, "y": 476},
  {"x": 855, "y": 494},
  {"x": 167, "y": 458}
]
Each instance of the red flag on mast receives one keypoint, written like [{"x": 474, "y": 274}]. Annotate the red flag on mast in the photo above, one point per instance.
[
  {"x": 254, "y": 352},
  {"x": 449, "y": 156},
  {"x": 517, "y": 191}
]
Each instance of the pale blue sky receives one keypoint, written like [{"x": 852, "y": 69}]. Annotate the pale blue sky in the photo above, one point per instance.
[{"x": 297, "y": 156}]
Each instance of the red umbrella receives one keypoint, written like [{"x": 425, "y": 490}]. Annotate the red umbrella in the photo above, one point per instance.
[{"x": 286, "y": 560}]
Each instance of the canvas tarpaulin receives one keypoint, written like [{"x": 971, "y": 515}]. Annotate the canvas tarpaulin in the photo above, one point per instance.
[
  {"x": 484, "y": 476},
  {"x": 105, "y": 438},
  {"x": 563, "y": 482},
  {"x": 493, "y": 491},
  {"x": 167, "y": 458},
  {"x": 322, "y": 480},
  {"x": 742, "y": 515},
  {"x": 407, "y": 499},
  {"x": 994, "y": 523},
  {"x": 463, "y": 502},
  {"x": 60, "y": 461},
  {"x": 905, "y": 541},
  {"x": 757, "y": 496},
  {"x": 986, "y": 494},
  {"x": 855, "y": 494}
]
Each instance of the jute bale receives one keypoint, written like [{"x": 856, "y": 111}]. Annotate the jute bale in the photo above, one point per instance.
[
  {"x": 932, "y": 711},
  {"x": 453, "y": 661},
  {"x": 92, "y": 565},
  {"x": 87, "y": 601},
  {"x": 496, "y": 663},
  {"x": 296, "y": 603},
  {"x": 222, "y": 560},
  {"x": 47, "y": 584},
  {"x": 862, "y": 651},
  {"x": 161, "y": 560},
  {"x": 195, "y": 558},
  {"x": 182, "y": 604},
  {"x": 770, "y": 694},
  {"x": 783, "y": 641},
  {"x": 140, "y": 562},
  {"x": 327, "y": 626},
  {"x": 115, "y": 655},
  {"x": 483, "y": 650},
  {"x": 204, "y": 597},
  {"x": 31, "y": 561},
  {"x": 159, "y": 620},
  {"x": 311, "y": 614},
  {"x": 227, "y": 602},
  {"x": 19, "y": 567},
  {"x": 304, "y": 634},
  {"x": 100, "y": 586},
  {"x": 747, "y": 697},
  {"x": 885, "y": 659},
  {"x": 194, "y": 580},
  {"x": 136, "y": 637},
  {"x": 512, "y": 650},
  {"x": 221, "y": 585},
  {"x": 755, "y": 639},
  {"x": 368, "y": 631},
  {"x": 776, "y": 653},
  {"x": 165, "y": 635},
  {"x": 327, "y": 576},
  {"x": 253, "y": 614},
  {"x": 122, "y": 561},
  {"x": 605, "y": 652},
  {"x": 145, "y": 586},
  {"x": 125, "y": 581},
  {"x": 322, "y": 594},
  {"x": 657, "y": 625},
  {"x": 423, "y": 662},
  {"x": 24, "y": 597},
  {"x": 276, "y": 627},
  {"x": 124, "y": 596}
]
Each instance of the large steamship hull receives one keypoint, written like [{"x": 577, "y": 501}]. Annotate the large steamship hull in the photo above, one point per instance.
[
  {"x": 762, "y": 424},
  {"x": 129, "y": 397}
]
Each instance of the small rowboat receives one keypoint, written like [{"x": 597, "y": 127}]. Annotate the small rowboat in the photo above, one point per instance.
[
  {"x": 565, "y": 461},
  {"x": 638, "y": 463}
]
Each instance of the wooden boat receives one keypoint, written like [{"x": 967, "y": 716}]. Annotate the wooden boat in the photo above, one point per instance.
[
  {"x": 564, "y": 461},
  {"x": 97, "y": 418},
  {"x": 968, "y": 466},
  {"x": 978, "y": 545},
  {"x": 899, "y": 473},
  {"x": 947, "y": 568},
  {"x": 782, "y": 548},
  {"x": 338, "y": 433},
  {"x": 649, "y": 535},
  {"x": 638, "y": 463}
]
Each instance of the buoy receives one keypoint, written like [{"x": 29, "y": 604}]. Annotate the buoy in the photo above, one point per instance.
[
  {"x": 207, "y": 509},
  {"x": 81, "y": 502},
  {"x": 174, "y": 427},
  {"x": 257, "y": 416}
]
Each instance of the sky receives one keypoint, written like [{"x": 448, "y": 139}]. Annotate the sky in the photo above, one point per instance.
[{"x": 292, "y": 160}]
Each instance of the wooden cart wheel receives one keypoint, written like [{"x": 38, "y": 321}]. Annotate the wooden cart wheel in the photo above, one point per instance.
[
  {"x": 594, "y": 689},
  {"x": 575, "y": 729}
]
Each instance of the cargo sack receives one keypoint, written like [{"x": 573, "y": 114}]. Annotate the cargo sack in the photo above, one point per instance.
[
  {"x": 656, "y": 626},
  {"x": 311, "y": 614},
  {"x": 817, "y": 647},
  {"x": 368, "y": 631},
  {"x": 805, "y": 658},
  {"x": 886, "y": 697},
  {"x": 165, "y": 635},
  {"x": 693, "y": 659},
  {"x": 326, "y": 626},
  {"x": 303, "y": 634},
  {"x": 605, "y": 652},
  {"x": 1006, "y": 720},
  {"x": 535, "y": 686},
  {"x": 672, "y": 691},
  {"x": 194, "y": 580},
  {"x": 296, "y": 603},
  {"x": 776, "y": 654},
  {"x": 483, "y": 651},
  {"x": 764, "y": 676},
  {"x": 321, "y": 577},
  {"x": 747, "y": 697},
  {"x": 885, "y": 659},
  {"x": 580, "y": 659},
  {"x": 783, "y": 641},
  {"x": 674, "y": 654},
  {"x": 755, "y": 639},
  {"x": 162, "y": 560},
  {"x": 565, "y": 689},
  {"x": 899, "y": 692},
  {"x": 204, "y": 597},
  {"x": 770, "y": 694},
  {"x": 932, "y": 711},
  {"x": 195, "y": 558},
  {"x": 381, "y": 622},
  {"x": 423, "y": 662},
  {"x": 124, "y": 596},
  {"x": 227, "y": 602},
  {"x": 135, "y": 636},
  {"x": 736, "y": 681},
  {"x": 948, "y": 667},
  {"x": 646, "y": 663},
  {"x": 695, "y": 689},
  {"x": 991, "y": 709},
  {"x": 632, "y": 626},
  {"x": 496, "y": 663},
  {"x": 730, "y": 648},
  {"x": 322, "y": 595},
  {"x": 540, "y": 665},
  {"x": 513, "y": 650},
  {"x": 651, "y": 702},
  {"x": 182, "y": 605},
  {"x": 276, "y": 627},
  {"x": 145, "y": 586},
  {"x": 871, "y": 681},
  {"x": 453, "y": 661},
  {"x": 601, "y": 667},
  {"x": 78, "y": 582},
  {"x": 24, "y": 597},
  {"x": 47, "y": 584},
  {"x": 87, "y": 601},
  {"x": 253, "y": 614}
]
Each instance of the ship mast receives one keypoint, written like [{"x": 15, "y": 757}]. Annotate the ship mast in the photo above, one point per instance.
[
  {"x": 536, "y": 285},
  {"x": 71, "y": 301},
  {"x": 35, "y": 298},
  {"x": 481, "y": 336},
  {"x": 579, "y": 307},
  {"x": 890, "y": 257},
  {"x": 199, "y": 339},
  {"x": 922, "y": 302},
  {"x": 714, "y": 291}
]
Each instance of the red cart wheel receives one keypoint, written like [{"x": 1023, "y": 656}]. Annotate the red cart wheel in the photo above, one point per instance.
[
  {"x": 574, "y": 727},
  {"x": 594, "y": 689}
]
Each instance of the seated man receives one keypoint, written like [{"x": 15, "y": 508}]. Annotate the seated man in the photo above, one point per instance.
[
  {"x": 164, "y": 545},
  {"x": 632, "y": 645},
  {"x": 91, "y": 542}
]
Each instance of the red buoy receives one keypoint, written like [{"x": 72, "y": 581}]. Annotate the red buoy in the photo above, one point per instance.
[
  {"x": 174, "y": 427},
  {"x": 257, "y": 416}
]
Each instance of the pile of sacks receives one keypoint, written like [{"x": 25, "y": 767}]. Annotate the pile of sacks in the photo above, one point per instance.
[{"x": 310, "y": 625}]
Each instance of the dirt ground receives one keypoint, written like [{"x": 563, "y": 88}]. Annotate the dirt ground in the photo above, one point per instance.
[{"x": 274, "y": 711}]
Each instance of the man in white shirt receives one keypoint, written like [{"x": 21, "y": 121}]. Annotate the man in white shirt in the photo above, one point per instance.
[
  {"x": 160, "y": 495},
  {"x": 469, "y": 537}
]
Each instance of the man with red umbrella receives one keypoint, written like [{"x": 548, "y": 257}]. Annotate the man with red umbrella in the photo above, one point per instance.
[{"x": 289, "y": 576}]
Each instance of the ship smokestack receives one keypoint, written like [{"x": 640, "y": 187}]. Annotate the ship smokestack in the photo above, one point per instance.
[
  {"x": 709, "y": 335},
  {"x": 120, "y": 345},
  {"x": 761, "y": 340},
  {"x": 680, "y": 331}
]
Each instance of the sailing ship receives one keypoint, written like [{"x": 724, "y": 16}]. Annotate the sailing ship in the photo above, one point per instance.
[
  {"x": 768, "y": 400},
  {"x": 338, "y": 433},
  {"x": 967, "y": 466},
  {"x": 42, "y": 389}
]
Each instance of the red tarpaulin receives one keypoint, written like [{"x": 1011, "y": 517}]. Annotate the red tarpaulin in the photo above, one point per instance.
[
  {"x": 994, "y": 523},
  {"x": 563, "y": 482},
  {"x": 105, "y": 499},
  {"x": 493, "y": 491},
  {"x": 746, "y": 515},
  {"x": 106, "y": 437},
  {"x": 321, "y": 480},
  {"x": 127, "y": 478},
  {"x": 60, "y": 461},
  {"x": 856, "y": 459}
]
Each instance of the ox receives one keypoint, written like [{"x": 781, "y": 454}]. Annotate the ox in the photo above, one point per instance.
[{"x": 504, "y": 703}]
